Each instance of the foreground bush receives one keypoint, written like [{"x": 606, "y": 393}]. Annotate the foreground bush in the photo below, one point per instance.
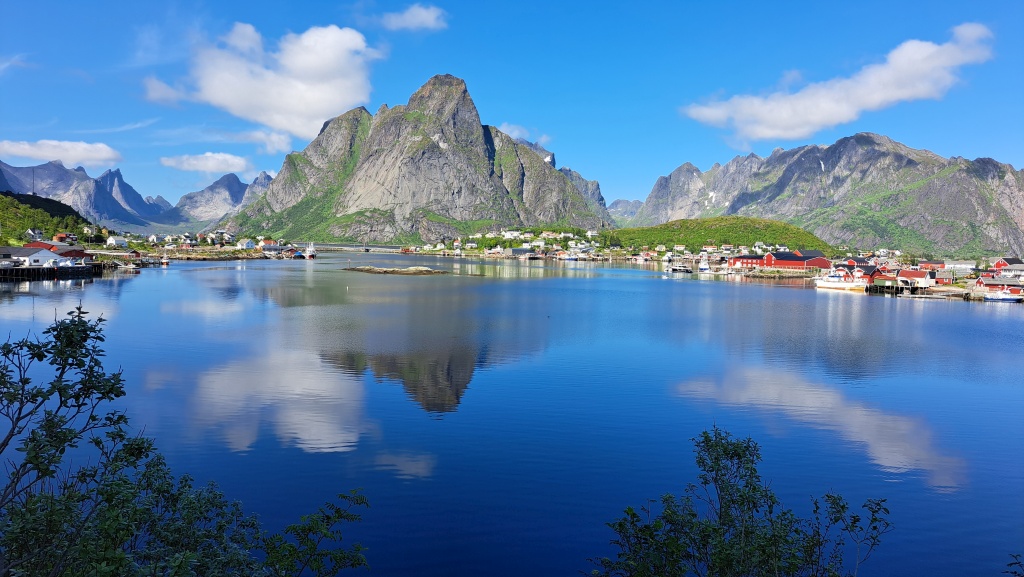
[
  {"x": 731, "y": 524},
  {"x": 117, "y": 509}
]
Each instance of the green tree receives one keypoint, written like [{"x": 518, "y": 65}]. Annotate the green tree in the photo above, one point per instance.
[
  {"x": 116, "y": 508},
  {"x": 731, "y": 524}
]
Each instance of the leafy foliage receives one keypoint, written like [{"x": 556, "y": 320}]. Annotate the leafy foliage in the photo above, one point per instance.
[
  {"x": 731, "y": 524},
  {"x": 20, "y": 212},
  {"x": 736, "y": 230},
  {"x": 117, "y": 509}
]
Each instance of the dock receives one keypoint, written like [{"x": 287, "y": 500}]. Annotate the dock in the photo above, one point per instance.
[{"x": 34, "y": 273}]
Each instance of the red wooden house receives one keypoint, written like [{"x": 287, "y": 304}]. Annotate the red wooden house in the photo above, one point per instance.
[{"x": 796, "y": 260}]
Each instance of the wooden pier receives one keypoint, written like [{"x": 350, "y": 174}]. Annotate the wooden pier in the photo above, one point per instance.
[{"x": 34, "y": 273}]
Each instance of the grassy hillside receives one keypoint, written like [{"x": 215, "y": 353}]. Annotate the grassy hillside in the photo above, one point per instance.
[
  {"x": 719, "y": 230},
  {"x": 20, "y": 212}
]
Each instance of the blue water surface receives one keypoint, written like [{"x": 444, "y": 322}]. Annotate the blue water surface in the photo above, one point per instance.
[{"x": 498, "y": 417}]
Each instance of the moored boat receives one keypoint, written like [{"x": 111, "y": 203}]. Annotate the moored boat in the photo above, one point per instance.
[
  {"x": 835, "y": 281},
  {"x": 1004, "y": 296}
]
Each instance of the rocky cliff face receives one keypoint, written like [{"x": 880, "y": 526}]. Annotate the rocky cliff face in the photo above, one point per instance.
[
  {"x": 427, "y": 169},
  {"x": 624, "y": 210},
  {"x": 865, "y": 190},
  {"x": 255, "y": 190},
  {"x": 590, "y": 189},
  {"x": 214, "y": 201}
]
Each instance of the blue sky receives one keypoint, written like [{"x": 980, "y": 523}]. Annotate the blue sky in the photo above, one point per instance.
[{"x": 176, "y": 94}]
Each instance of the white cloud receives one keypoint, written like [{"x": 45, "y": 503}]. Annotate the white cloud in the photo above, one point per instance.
[
  {"x": 270, "y": 142},
  {"x": 416, "y": 17},
  {"x": 11, "y": 61},
  {"x": 311, "y": 78},
  {"x": 70, "y": 153},
  {"x": 914, "y": 70},
  {"x": 122, "y": 128},
  {"x": 514, "y": 130},
  {"x": 211, "y": 162},
  {"x": 160, "y": 92}
]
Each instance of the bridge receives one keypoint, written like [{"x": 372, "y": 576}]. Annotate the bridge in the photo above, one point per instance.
[{"x": 341, "y": 247}]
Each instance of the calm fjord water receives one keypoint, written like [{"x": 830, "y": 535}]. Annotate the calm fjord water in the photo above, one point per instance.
[{"x": 497, "y": 418}]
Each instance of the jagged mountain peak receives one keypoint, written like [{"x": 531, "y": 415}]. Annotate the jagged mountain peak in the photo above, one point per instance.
[
  {"x": 416, "y": 169},
  {"x": 341, "y": 118},
  {"x": 448, "y": 109},
  {"x": 545, "y": 154}
]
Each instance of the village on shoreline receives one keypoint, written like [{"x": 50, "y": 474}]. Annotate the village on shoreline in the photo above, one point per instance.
[{"x": 881, "y": 271}]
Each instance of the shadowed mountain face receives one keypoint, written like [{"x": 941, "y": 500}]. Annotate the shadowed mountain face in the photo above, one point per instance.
[
  {"x": 865, "y": 190},
  {"x": 425, "y": 169}
]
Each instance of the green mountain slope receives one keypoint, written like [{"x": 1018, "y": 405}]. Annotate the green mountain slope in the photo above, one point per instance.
[
  {"x": 20, "y": 212},
  {"x": 719, "y": 230}
]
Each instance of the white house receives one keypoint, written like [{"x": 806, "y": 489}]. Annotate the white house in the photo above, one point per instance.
[
  {"x": 27, "y": 256},
  {"x": 117, "y": 241},
  {"x": 246, "y": 244}
]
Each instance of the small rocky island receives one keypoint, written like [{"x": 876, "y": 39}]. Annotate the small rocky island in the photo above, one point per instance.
[{"x": 412, "y": 270}]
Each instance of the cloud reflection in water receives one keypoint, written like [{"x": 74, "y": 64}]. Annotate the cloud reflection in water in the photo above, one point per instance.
[
  {"x": 895, "y": 443},
  {"x": 309, "y": 404},
  {"x": 407, "y": 465}
]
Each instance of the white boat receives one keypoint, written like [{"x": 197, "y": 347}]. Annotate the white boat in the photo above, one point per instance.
[
  {"x": 310, "y": 252},
  {"x": 680, "y": 267},
  {"x": 165, "y": 261},
  {"x": 703, "y": 266},
  {"x": 840, "y": 282},
  {"x": 1004, "y": 296}
]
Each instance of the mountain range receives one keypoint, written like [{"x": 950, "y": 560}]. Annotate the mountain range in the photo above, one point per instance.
[
  {"x": 429, "y": 170},
  {"x": 864, "y": 191},
  {"x": 112, "y": 202},
  {"x": 425, "y": 170}
]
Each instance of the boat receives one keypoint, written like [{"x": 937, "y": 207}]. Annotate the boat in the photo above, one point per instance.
[
  {"x": 1004, "y": 296},
  {"x": 680, "y": 267},
  {"x": 164, "y": 261},
  {"x": 310, "y": 252},
  {"x": 703, "y": 266},
  {"x": 836, "y": 281}
]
